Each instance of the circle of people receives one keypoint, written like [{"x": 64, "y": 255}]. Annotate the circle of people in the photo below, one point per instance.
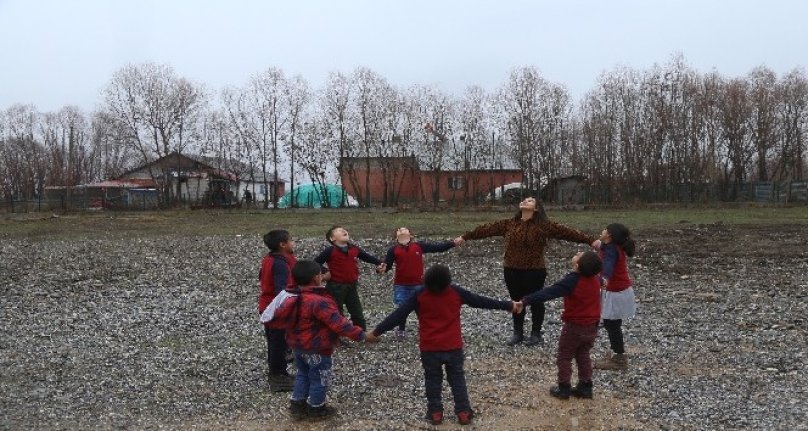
[{"x": 303, "y": 302}]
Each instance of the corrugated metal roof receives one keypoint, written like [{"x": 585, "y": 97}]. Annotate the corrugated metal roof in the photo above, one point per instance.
[{"x": 132, "y": 183}]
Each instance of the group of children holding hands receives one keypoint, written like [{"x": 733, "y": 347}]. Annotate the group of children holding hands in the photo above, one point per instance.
[{"x": 301, "y": 314}]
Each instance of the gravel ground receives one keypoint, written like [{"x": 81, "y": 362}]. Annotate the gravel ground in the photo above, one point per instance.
[{"x": 162, "y": 333}]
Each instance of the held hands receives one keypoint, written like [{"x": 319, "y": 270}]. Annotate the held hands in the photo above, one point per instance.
[
  {"x": 517, "y": 307},
  {"x": 370, "y": 338},
  {"x": 381, "y": 268},
  {"x": 459, "y": 241}
]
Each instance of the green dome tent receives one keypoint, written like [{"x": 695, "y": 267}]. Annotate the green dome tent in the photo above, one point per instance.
[{"x": 312, "y": 196}]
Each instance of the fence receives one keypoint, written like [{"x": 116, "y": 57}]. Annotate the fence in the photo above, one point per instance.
[
  {"x": 793, "y": 192},
  {"x": 764, "y": 192},
  {"x": 134, "y": 201}
]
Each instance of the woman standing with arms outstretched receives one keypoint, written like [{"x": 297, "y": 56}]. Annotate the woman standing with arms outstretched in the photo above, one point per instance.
[{"x": 526, "y": 236}]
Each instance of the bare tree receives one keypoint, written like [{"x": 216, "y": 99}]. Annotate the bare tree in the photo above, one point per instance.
[
  {"x": 536, "y": 113},
  {"x": 709, "y": 113},
  {"x": 337, "y": 116},
  {"x": 315, "y": 154},
  {"x": 297, "y": 96},
  {"x": 159, "y": 110},
  {"x": 110, "y": 147},
  {"x": 65, "y": 136},
  {"x": 24, "y": 166},
  {"x": 222, "y": 144},
  {"x": 610, "y": 115},
  {"x": 373, "y": 95},
  {"x": 258, "y": 115},
  {"x": 736, "y": 110},
  {"x": 435, "y": 111},
  {"x": 793, "y": 115},
  {"x": 763, "y": 116},
  {"x": 478, "y": 151}
]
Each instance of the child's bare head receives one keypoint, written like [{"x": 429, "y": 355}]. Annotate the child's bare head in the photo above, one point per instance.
[
  {"x": 437, "y": 278},
  {"x": 402, "y": 235},
  {"x": 337, "y": 235},
  {"x": 278, "y": 240},
  {"x": 587, "y": 263},
  {"x": 306, "y": 273}
]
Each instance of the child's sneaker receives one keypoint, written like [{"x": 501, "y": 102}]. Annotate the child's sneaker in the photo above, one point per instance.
[
  {"x": 562, "y": 391},
  {"x": 322, "y": 412},
  {"x": 534, "y": 339},
  {"x": 464, "y": 418},
  {"x": 401, "y": 334},
  {"x": 583, "y": 390},
  {"x": 435, "y": 418},
  {"x": 616, "y": 362},
  {"x": 297, "y": 409}
]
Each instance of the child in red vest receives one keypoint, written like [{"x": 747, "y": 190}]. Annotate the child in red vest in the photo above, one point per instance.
[
  {"x": 437, "y": 305},
  {"x": 617, "y": 295},
  {"x": 581, "y": 292},
  {"x": 408, "y": 257},
  {"x": 275, "y": 276},
  {"x": 341, "y": 258}
]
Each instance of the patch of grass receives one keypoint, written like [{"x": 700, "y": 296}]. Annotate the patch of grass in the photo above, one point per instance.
[{"x": 362, "y": 223}]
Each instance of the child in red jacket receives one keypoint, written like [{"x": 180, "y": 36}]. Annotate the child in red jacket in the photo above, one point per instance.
[
  {"x": 437, "y": 305},
  {"x": 313, "y": 326},
  {"x": 581, "y": 292},
  {"x": 276, "y": 275}
]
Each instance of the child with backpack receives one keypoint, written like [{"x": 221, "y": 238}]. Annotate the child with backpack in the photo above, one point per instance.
[{"x": 313, "y": 326}]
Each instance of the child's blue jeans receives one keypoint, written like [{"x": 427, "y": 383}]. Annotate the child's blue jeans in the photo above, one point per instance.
[
  {"x": 314, "y": 375},
  {"x": 402, "y": 293}
]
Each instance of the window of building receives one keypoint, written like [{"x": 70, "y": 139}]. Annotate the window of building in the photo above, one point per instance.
[{"x": 457, "y": 183}]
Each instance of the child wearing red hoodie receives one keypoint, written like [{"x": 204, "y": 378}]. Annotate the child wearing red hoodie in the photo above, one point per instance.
[{"x": 581, "y": 291}]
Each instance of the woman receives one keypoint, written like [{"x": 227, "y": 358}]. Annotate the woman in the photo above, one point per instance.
[{"x": 526, "y": 236}]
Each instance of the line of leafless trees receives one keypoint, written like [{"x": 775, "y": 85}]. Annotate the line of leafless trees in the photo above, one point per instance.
[{"x": 661, "y": 134}]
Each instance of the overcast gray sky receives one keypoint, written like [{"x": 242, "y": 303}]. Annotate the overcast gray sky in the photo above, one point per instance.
[{"x": 54, "y": 53}]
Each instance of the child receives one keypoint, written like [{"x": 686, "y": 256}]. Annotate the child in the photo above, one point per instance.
[
  {"x": 408, "y": 257},
  {"x": 313, "y": 327},
  {"x": 276, "y": 275},
  {"x": 581, "y": 292},
  {"x": 618, "y": 295},
  {"x": 437, "y": 305},
  {"x": 341, "y": 259}
]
